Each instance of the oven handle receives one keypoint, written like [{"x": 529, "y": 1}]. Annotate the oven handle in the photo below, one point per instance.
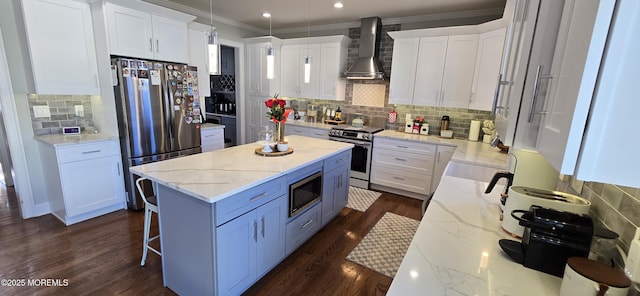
[{"x": 355, "y": 142}]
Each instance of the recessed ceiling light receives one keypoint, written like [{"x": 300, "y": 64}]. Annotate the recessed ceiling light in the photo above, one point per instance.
[
  {"x": 338, "y": 5},
  {"x": 266, "y": 14}
]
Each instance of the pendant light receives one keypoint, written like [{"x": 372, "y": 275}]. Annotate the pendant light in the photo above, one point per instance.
[
  {"x": 271, "y": 53},
  {"x": 213, "y": 46},
  {"x": 307, "y": 59}
]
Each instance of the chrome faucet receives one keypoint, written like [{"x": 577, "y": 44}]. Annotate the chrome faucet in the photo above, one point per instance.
[{"x": 496, "y": 141}]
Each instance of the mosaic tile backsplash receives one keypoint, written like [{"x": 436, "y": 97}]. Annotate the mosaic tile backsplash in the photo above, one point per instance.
[
  {"x": 62, "y": 113},
  {"x": 618, "y": 207}
]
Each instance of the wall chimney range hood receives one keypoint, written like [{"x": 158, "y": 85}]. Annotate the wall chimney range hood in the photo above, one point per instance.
[{"x": 368, "y": 66}]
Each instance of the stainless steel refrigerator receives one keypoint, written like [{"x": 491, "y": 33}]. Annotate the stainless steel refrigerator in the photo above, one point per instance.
[{"x": 158, "y": 114}]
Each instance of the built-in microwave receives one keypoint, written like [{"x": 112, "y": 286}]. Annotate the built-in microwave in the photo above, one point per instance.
[{"x": 305, "y": 193}]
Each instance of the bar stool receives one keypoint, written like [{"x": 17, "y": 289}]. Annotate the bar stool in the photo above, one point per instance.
[{"x": 150, "y": 206}]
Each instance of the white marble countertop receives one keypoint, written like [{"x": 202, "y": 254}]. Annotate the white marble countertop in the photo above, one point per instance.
[
  {"x": 211, "y": 125},
  {"x": 455, "y": 250},
  {"x": 215, "y": 175},
  {"x": 477, "y": 153},
  {"x": 59, "y": 140}
]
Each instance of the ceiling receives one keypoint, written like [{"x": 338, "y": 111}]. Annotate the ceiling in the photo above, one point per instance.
[{"x": 289, "y": 14}]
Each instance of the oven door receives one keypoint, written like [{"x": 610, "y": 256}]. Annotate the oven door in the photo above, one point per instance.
[{"x": 360, "y": 158}]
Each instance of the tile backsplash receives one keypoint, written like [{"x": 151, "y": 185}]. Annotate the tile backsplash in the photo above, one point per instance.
[
  {"x": 62, "y": 109},
  {"x": 617, "y": 207}
]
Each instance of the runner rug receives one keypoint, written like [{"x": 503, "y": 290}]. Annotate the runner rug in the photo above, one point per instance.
[
  {"x": 383, "y": 248},
  {"x": 361, "y": 199}
]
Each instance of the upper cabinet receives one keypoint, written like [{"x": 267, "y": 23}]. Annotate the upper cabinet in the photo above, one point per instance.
[
  {"x": 68, "y": 67},
  {"x": 487, "y": 69},
  {"x": 257, "y": 83},
  {"x": 433, "y": 70},
  {"x": 198, "y": 39},
  {"x": 328, "y": 57},
  {"x": 142, "y": 32}
]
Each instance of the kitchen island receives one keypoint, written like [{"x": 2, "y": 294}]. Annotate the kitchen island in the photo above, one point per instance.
[
  {"x": 455, "y": 249},
  {"x": 224, "y": 214}
]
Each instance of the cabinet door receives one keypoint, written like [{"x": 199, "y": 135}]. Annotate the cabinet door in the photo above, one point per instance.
[
  {"x": 254, "y": 69},
  {"x": 403, "y": 71},
  {"x": 130, "y": 32},
  {"x": 198, "y": 57},
  {"x": 330, "y": 185},
  {"x": 311, "y": 89},
  {"x": 170, "y": 40},
  {"x": 290, "y": 65},
  {"x": 429, "y": 71},
  {"x": 236, "y": 254},
  {"x": 488, "y": 61},
  {"x": 91, "y": 184},
  {"x": 332, "y": 63},
  {"x": 271, "y": 235},
  {"x": 443, "y": 157},
  {"x": 458, "y": 71},
  {"x": 62, "y": 49},
  {"x": 576, "y": 64},
  {"x": 256, "y": 117},
  {"x": 342, "y": 194}
]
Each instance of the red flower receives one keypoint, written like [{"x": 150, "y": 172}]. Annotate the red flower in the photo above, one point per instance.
[
  {"x": 269, "y": 103},
  {"x": 276, "y": 111}
]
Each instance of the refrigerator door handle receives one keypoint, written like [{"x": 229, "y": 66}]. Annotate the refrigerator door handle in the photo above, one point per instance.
[{"x": 168, "y": 104}]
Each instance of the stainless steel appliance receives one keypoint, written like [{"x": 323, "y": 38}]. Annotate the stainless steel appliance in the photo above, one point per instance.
[
  {"x": 362, "y": 138},
  {"x": 304, "y": 193},
  {"x": 158, "y": 114}
]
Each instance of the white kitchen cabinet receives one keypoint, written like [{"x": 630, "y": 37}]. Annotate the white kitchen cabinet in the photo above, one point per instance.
[
  {"x": 443, "y": 156},
  {"x": 141, "y": 34},
  {"x": 61, "y": 47},
  {"x": 403, "y": 165},
  {"x": 334, "y": 57},
  {"x": 403, "y": 71},
  {"x": 433, "y": 71},
  {"x": 211, "y": 138},
  {"x": 256, "y": 119},
  {"x": 257, "y": 83},
  {"x": 292, "y": 65},
  {"x": 588, "y": 84},
  {"x": 335, "y": 185},
  {"x": 487, "y": 69},
  {"x": 83, "y": 180},
  {"x": 250, "y": 245},
  {"x": 198, "y": 56},
  {"x": 295, "y": 129}
]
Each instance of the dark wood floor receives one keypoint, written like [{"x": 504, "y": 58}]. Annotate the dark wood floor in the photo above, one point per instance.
[{"x": 102, "y": 256}]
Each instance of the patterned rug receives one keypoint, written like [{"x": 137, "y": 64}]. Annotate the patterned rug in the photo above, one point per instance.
[
  {"x": 383, "y": 248},
  {"x": 361, "y": 199}
]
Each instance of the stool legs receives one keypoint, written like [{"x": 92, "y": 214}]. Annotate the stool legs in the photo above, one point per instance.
[{"x": 145, "y": 239}]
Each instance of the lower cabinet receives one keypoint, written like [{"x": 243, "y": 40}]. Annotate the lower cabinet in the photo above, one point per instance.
[
  {"x": 294, "y": 129},
  {"x": 335, "y": 187},
  {"x": 303, "y": 227},
  {"x": 83, "y": 180},
  {"x": 250, "y": 245}
]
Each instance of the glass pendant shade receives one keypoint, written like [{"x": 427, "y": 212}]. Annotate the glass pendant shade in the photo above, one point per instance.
[
  {"x": 271, "y": 59},
  {"x": 307, "y": 69},
  {"x": 213, "y": 48}
]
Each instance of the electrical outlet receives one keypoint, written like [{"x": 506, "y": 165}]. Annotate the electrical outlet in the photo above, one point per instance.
[
  {"x": 41, "y": 111},
  {"x": 79, "y": 110}
]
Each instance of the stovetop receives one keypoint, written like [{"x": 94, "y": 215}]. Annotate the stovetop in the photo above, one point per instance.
[{"x": 364, "y": 133}]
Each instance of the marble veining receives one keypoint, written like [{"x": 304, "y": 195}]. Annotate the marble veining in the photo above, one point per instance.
[
  {"x": 455, "y": 250},
  {"x": 214, "y": 175}
]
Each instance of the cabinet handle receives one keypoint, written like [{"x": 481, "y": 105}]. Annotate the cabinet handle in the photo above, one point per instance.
[
  {"x": 398, "y": 178},
  {"x": 157, "y": 45},
  {"x": 262, "y": 227},
  {"x": 259, "y": 196},
  {"x": 438, "y": 157},
  {"x": 151, "y": 44},
  {"x": 306, "y": 224},
  {"x": 255, "y": 230},
  {"x": 536, "y": 88},
  {"x": 340, "y": 160},
  {"x": 118, "y": 168},
  {"x": 400, "y": 159},
  {"x": 404, "y": 147},
  {"x": 91, "y": 151}
]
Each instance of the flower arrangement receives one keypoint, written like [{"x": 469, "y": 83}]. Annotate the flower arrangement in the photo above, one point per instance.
[
  {"x": 419, "y": 120},
  {"x": 277, "y": 111}
]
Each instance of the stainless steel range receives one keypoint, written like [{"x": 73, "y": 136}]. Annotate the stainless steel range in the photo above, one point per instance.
[{"x": 362, "y": 138}]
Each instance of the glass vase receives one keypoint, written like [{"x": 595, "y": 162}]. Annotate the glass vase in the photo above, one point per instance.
[{"x": 278, "y": 132}]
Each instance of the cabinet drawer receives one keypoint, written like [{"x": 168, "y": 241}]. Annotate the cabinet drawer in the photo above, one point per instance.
[
  {"x": 411, "y": 162},
  {"x": 403, "y": 145},
  {"x": 401, "y": 180},
  {"x": 79, "y": 152},
  {"x": 303, "y": 227},
  {"x": 318, "y": 133},
  {"x": 209, "y": 134},
  {"x": 243, "y": 202},
  {"x": 337, "y": 161}
]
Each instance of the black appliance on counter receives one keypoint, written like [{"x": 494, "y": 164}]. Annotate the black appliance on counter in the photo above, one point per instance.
[{"x": 549, "y": 239}]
